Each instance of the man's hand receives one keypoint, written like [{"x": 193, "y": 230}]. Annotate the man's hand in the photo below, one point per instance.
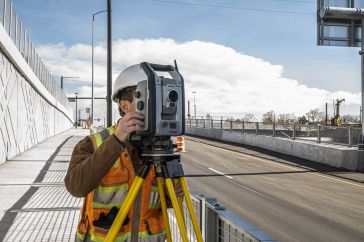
[{"x": 132, "y": 121}]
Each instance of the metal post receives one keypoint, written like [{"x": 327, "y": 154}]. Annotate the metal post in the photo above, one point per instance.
[
  {"x": 243, "y": 127},
  {"x": 92, "y": 71},
  {"x": 221, "y": 124},
  {"x": 231, "y": 125},
  {"x": 274, "y": 129},
  {"x": 204, "y": 123},
  {"x": 16, "y": 31},
  {"x": 194, "y": 104},
  {"x": 350, "y": 141},
  {"x": 212, "y": 123},
  {"x": 76, "y": 111},
  {"x": 318, "y": 133},
  {"x": 4, "y": 17},
  {"x": 361, "y": 142},
  {"x": 212, "y": 224},
  {"x": 294, "y": 132},
  {"x": 203, "y": 217},
  {"x": 256, "y": 127},
  {"x": 62, "y": 83},
  {"x": 11, "y": 18},
  {"x": 109, "y": 66},
  {"x": 326, "y": 114}
]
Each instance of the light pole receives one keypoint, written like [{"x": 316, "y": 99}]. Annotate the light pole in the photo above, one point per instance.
[
  {"x": 92, "y": 66},
  {"x": 76, "y": 94},
  {"x": 109, "y": 66},
  {"x": 69, "y": 77},
  {"x": 194, "y": 103}
]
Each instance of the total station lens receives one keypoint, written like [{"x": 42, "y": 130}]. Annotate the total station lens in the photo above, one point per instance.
[{"x": 173, "y": 96}]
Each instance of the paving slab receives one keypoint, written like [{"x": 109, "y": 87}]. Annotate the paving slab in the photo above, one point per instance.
[{"x": 34, "y": 203}]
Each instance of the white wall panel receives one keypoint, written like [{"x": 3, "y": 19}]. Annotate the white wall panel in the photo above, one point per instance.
[{"x": 26, "y": 118}]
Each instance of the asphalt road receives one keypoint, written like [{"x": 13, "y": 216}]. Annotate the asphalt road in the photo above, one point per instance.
[{"x": 290, "y": 199}]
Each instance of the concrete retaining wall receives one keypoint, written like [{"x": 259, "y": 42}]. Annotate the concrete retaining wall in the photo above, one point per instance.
[{"x": 332, "y": 155}]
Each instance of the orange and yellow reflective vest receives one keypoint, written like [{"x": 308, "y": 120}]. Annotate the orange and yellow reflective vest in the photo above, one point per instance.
[{"x": 111, "y": 192}]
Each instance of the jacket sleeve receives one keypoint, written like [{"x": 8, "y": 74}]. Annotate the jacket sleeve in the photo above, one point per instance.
[{"x": 88, "y": 166}]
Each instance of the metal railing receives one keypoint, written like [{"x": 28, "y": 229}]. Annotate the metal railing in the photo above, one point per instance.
[
  {"x": 14, "y": 27},
  {"x": 216, "y": 223},
  {"x": 341, "y": 135}
]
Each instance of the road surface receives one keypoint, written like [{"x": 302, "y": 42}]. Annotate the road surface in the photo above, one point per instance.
[{"x": 288, "y": 198}]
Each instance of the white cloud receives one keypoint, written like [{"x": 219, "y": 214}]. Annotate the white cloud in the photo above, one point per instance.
[{"x": 226, "y": 81}]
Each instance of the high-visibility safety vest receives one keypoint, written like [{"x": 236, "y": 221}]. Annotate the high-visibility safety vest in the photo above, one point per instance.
[{"x": 112, "y": 191}]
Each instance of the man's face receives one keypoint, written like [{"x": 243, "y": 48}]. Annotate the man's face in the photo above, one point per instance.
[{"x": 127, "y": 106}]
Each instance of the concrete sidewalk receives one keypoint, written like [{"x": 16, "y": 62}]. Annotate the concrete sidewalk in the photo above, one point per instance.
[{"x": 34, "y": 203}]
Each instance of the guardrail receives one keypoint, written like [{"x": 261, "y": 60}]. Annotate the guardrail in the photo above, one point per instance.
[
  {"x": 216, "y": 223},
  {"x": 14, "y": 27},
  {"x": 347, "y": 135}
]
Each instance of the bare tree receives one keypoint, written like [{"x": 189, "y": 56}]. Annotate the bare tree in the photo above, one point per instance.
[
  {"x": 249, "y": 117},
  {"x": 286, "y": 118},
  {"x": 350, "y": 118},
  {"x": 315, "y": 115},
  {"x": 268, "y": 117}
]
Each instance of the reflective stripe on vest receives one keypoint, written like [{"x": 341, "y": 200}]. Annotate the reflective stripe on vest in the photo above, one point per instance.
[
  {"x": 101, "y": 136},
  {"x": 108, "y": 197}
]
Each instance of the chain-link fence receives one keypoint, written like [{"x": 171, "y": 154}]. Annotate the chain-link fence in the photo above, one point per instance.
[
  {"x": 341, "y": 135},
  {"x": 216, "y": 223},
  {"x": 15, "y": 29}
]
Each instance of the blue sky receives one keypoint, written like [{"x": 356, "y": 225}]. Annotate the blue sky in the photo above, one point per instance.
[{"x": 281, "y": 38}]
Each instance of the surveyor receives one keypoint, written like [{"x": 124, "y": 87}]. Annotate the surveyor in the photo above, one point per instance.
[{"x": 102, "y": 168}]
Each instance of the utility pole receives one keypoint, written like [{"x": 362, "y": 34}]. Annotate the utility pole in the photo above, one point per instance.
[
  {"x": 194, "y": 103},
  {"x": 326, "y": 114},
  {"x": 79, "y": 116},
  {"x": 76, "y": 94},
  {"x": 109, "y": 65}
]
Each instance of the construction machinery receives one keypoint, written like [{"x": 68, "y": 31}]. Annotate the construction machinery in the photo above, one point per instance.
[{"x": 336, "y": 121}]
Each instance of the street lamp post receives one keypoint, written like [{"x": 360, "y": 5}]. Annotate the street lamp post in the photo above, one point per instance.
[
  {"x": 69, "y": 77},
  {"x": 76, "y": 94},
  {"x": 194, "y": 103},
  {"x": 92, "y": 66},
  {"x": 109, "y": 65}
]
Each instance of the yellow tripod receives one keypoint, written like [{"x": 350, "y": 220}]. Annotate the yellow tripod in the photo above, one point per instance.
[{"x": 167, "y": 169}]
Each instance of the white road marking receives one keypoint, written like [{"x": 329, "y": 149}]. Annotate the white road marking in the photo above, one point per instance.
[
  {"x": 286, "y": 166},
  {"x": 238, "y": 184},
  {"x": 218, "y": 172}
]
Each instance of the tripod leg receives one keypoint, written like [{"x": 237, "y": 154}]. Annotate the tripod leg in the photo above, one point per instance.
[
  {"x": 180, "y": 203},
  {"x": 177, "y": 210},
  {"x": 164, "y": 208},
  {"x": 190, "y": 209},
  {"x": 124, "y": 209}
]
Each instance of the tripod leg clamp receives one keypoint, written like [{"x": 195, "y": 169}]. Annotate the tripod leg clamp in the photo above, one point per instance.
[{"x": 173, "y": 169}]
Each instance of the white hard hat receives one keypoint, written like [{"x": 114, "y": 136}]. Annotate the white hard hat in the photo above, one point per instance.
[{"x": 128, "y": 78}]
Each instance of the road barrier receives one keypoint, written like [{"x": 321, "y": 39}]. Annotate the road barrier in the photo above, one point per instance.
[
  {"x": 344, "y": 135},
  {"x": 216, "y": 223}
]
